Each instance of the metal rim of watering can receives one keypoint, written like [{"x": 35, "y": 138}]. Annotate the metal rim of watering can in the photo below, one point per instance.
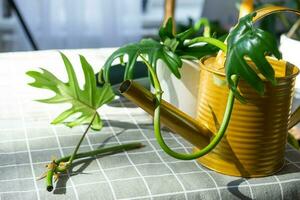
[{"x": 270, "y": 59}]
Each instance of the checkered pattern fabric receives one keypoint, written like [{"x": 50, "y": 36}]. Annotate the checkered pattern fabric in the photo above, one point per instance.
[{"x": 28, "y": 141}]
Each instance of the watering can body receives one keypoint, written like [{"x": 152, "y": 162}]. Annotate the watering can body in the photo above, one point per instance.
[{"x": 255, "y": 139}]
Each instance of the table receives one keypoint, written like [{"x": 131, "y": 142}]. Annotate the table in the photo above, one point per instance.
[{"x": 28, "y": 141}]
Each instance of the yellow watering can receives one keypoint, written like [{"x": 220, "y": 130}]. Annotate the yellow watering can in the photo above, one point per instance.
[{"x": 255, "y": 140}]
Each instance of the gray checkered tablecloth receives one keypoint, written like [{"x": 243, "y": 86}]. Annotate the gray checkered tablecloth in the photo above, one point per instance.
[{"x": 28, "y": 141}]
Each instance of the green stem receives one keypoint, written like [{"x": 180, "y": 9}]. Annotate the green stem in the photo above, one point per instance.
[
  {"x": 114, "y": 149},
  {"x": 205, "y": 22},
  {"x": 80, "y": 141},
  {"x": 206, "y": 149},
  {"x": 158, "y": 95},
  {"x": 49, "y": 178},
  {"x": 97, "y": 152},
  {"x": 202, "y": 22},
  {"x": 70, "y": 159},
  {"x": 209, "y": 40}
]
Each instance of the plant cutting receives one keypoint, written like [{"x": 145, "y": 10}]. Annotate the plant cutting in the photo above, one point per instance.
[{"x": 84, "y": 102}]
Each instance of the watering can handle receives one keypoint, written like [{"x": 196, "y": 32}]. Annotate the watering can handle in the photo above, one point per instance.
[{"x": 295, "y": 118}]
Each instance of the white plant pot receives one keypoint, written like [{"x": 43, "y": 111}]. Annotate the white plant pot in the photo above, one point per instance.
[
  {"x": 290, "y": 52},
  {"x": 182, "y": 93}
]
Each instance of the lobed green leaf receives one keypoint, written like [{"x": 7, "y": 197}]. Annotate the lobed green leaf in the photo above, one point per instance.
[
  {"x": 170, "y": 50},
  {"x": 84, "y": 102},
  {"x": 152, "y": 49},
  {"x": 248, "y": 42}
]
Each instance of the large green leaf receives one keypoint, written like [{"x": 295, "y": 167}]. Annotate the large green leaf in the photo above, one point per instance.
[
  {"x": 149, "y": 47},
  {"x": 85, "y": 102},
  {"x": 170, "y": 50},
  {"x": 248, "y": 42}
]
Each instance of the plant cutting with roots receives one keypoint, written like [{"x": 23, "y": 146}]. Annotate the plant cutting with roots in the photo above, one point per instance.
[
  {"x": 244, "y": 42},
  {"x": 84, "y": 102}
]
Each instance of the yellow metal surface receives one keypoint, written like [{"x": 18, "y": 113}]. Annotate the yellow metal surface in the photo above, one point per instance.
[
  {"x": 263, "y": 12},
  {"x": 254, "y": 143},
  {"x": 170, "y": 116},
  {"x": 246, "y": 7}
]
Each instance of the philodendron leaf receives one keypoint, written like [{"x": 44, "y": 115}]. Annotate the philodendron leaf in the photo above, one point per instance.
[
  {"x": 170, "y": 50},
  {"x": 85, "y": 102},
  {"x": 248, "y": 42},
  {"x": 153, "y": 51}
]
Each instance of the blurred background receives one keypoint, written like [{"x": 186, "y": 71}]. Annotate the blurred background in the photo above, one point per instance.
[{"x": 70, "y": 24}]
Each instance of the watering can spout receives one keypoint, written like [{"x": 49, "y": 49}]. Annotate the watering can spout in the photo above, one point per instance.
[{"x": 170, "y": 116}]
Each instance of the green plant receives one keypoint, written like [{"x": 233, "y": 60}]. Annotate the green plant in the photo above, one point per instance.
[
  {"x": 244, "y": 42},
  {"x": 170, "y": 49},
  {"x": 84, "y": 102}
]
